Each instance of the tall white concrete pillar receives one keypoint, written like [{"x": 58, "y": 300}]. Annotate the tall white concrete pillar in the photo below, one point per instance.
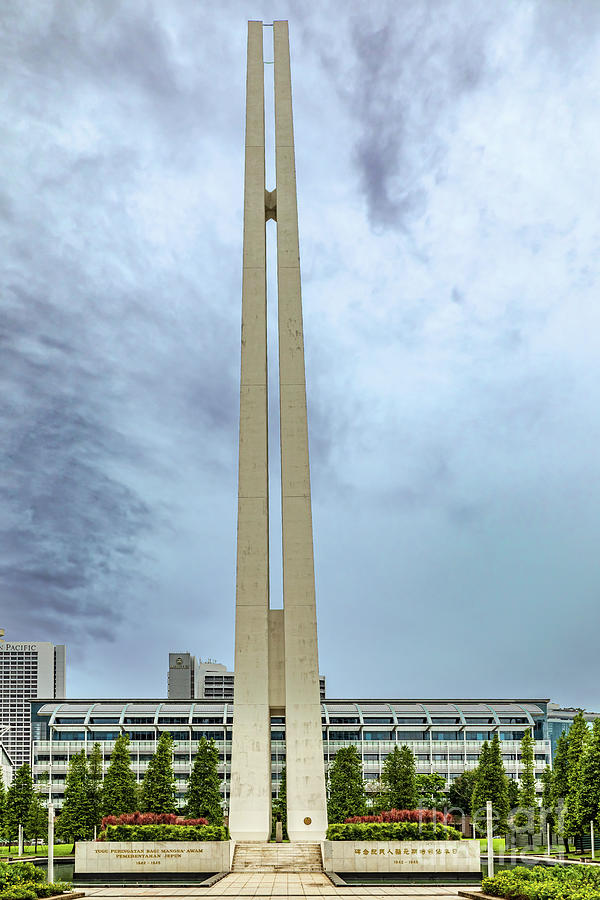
[
  {"x": 306, "y": 799},
  {"x": 250, "y": 791}
]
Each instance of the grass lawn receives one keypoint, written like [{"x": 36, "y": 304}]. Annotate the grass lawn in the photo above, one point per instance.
[
  {"x": 42, "y": 850},
  {"x": 499, "y": 845}
]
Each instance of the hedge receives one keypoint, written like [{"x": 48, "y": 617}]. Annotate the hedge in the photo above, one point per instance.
[
  {"x": 404, "y": 815},
  {"x": 24, "y": 881},
  {"x": 164, "y": 833},
  {"x": 545, "y": 883},
  {"x": 149, "y": 818},
  {"x": 392, "y": 831}
]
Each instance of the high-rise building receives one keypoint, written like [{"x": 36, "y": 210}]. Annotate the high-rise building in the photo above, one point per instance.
[
  {"x": 28, "y": 670},
  {"x": 193, "y": 679}
]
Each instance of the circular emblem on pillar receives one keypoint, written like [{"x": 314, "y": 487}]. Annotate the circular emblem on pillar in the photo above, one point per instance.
[{"x": 307, "y": 820}]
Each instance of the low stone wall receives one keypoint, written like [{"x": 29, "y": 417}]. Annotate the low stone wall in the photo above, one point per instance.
[
  {"x": 151, "y": 857},
  {"x": 405, "y": 857}
]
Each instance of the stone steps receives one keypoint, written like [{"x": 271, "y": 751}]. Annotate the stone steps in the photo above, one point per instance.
[{"x": 256, "y": 856}]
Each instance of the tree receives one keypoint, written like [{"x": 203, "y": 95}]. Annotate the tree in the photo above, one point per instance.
[
  {"x": 431, "y": 791},
  {"x": 2, "y": 804},
  {"x": 94, "y": 785},
  {"x": 491, "y": 784},
  {"x": 203, "y": 795},
  {"x": 158, "y": 784},
  {"x": 18, "y": 799},
  {"x": 279, "y": 805},
  {"x": 528, "y": 816},
  {"x": 578, "y": 737},
  {"x": 346, "y": 786},
  {"x": 461, "y": 791},
  {"x": 560, "y": 785},
  {"x": 513, "y": 793},
  {"x": 548, "y": 818},
  {"x": 588, "y": 791},
  {"x": 36, "y": 826},
  {"x": 119, "y": 790},
  {"x": 74, "y": 820},
  {"x": 398, "y": 779}
]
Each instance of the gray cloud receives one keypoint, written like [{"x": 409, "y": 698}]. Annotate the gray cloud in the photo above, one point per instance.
[{"x": 447, "y": 196}]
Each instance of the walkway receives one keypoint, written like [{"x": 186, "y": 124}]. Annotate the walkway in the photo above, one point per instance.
[{"x": 259, "y": 884}]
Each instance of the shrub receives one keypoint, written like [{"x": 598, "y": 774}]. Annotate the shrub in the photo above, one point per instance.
[
  {"x": 545, "y": 883},
  {"x": 164, "y": 832},
  {"x": 24, "y": 881},
  {"x": 392, "y": 831},
  {"x": 404, "y": 815},
  {"x": 149, "y": 818}
]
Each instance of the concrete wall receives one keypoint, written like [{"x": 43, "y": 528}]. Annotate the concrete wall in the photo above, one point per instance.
[
  {"x": 410, "y": 857},
  {"x": 151, "y": 857}
]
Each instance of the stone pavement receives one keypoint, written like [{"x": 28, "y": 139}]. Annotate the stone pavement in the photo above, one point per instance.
[{"x": 262, "y": 884}]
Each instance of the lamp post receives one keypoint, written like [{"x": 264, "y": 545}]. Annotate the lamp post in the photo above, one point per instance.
[{"x": 50, "y": 842}]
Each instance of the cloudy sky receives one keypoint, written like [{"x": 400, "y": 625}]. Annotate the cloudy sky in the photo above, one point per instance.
[{"x": 448, "y": 161}]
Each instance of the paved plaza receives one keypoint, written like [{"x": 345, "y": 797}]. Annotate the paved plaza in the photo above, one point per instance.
[{"x": 276, "y": 885}]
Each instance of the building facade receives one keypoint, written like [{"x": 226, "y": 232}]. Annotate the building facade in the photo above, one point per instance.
[
  {"x": 445, "y": 736},
  {"x": 28, "y": 670}
]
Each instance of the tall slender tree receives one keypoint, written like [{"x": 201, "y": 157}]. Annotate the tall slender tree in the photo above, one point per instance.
[
  {"x": 18, "y": 800},
  {"x": 36, "y": 826},
  {"x": 279, "y": 805},
  {"x": 119, "y": 789},
  {"x": 528, "y": 816},
  {"x": 399, "y": 779},
  {"x": 578, "y": 737},
  {"x": 431, "y": 791},
  {"x": 547, "y": 810},
  {"x": 461, "y": 791},
  {"x": 203, "y": 795},
  {"x": 158, "y": 784},
  {"x": 492, "y": 784},
  {"x": 588, "y": 787},
  {"x": 346, "y": 786},
  {"x": 94, "y": 785},
  {"x": 74, "y": 820},
  {"x": 2, "y": 804},
  {"x": 560, "y": 786}
]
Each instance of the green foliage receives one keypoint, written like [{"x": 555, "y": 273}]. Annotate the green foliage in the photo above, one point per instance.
[
  {"x": 588, "y": 783},
  {"x": 528, "y": 816},
  {"x": 461, "y": 791},
  {"x": 578, "y": 737},
  {"x": 203, "y": 795},
  {"x": 431, "y": 791},
  {"x": 24, "y": 881},
  {"x": 560, "y": 783},
  {"x": 491, "y": 784},
  {"x": 2, "y": 804},
  {"x": 36, "y": 826},
  {"x": 158, "y": 784},
  {"x": 73, "y": 822},
  {"x": 346, "y": 786},
  {"x": 513, "y": 793},
  {"x": 398, "y": 779},
  {"x": 94, "y": 785},
  {"x": 392, "y": 831},
  {"x": 164, "y": 833},
  {"x": 119, "y": 790},
  {"x": 545, "y": 883},
  {"x": 547, "y": 781},
  {"x": 18, "y": 799},
  {"x": 279, "y": 805}
]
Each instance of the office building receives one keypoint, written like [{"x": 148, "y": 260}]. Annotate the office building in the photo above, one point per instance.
[
  {"x": 28, "y": 670},
  {"x": 445, "y": 735},
  {"x": 193, "y": 679}
]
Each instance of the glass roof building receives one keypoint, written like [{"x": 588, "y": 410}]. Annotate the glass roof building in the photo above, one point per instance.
[{"x": 445, "y": 736}]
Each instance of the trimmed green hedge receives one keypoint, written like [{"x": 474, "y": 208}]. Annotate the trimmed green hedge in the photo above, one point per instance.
[
  {"x": 24, "y": 881},
  {"x": 545, "y": 883},
  {"x": 164, "y": 833},
  {"x": 392, "y": 831}
]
